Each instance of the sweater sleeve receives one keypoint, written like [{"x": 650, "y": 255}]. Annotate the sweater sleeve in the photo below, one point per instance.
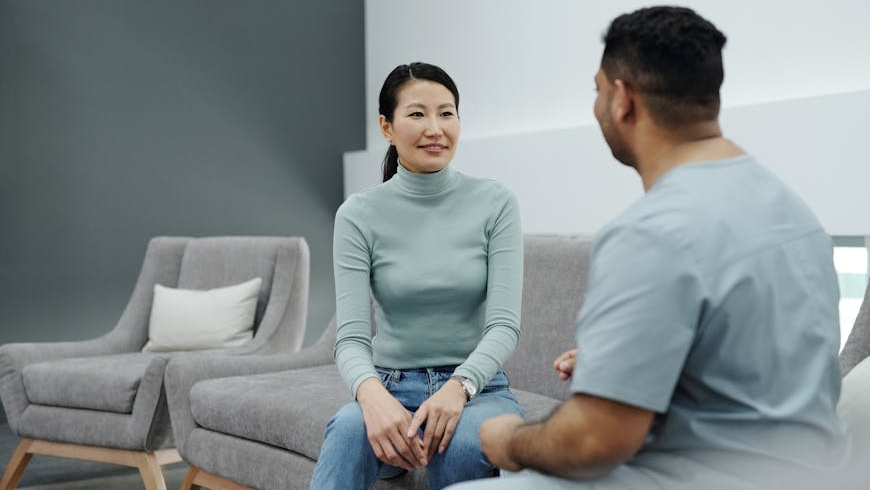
[
  {"x": 503, "y": 296},
  {"x": 352, "y": 266}
]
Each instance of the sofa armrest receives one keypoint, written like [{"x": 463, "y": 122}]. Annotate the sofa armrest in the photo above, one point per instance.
[
  {"x": 14, "y": 357},
  {"x": 182, "y": 373}
]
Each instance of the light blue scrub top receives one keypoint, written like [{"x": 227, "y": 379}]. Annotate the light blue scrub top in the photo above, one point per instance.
[{"x": 713, "y": 301}]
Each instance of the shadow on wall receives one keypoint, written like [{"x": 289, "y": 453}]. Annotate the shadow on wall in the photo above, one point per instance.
[{"x": 120, "y": 121}]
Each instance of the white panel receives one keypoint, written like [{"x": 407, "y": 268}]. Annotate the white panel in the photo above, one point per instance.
[
  {"x": 567, "y": 181},
  {"x": 796, "y": 94},
  {"x": 817, "y": 146},
  {"x": 528, "y": 65}
]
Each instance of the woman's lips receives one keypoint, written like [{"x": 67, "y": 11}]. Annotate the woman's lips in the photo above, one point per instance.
[{"x": 434, "y": 148}]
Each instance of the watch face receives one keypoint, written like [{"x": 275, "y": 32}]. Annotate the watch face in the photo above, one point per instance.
[{"x": 470, "y": 389}]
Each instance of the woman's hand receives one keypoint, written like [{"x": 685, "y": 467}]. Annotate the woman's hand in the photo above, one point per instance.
[
  {"x": 564, "y": 364},
  {"x": 387, "y": 422},
  {"x": 441, "y": 414}
]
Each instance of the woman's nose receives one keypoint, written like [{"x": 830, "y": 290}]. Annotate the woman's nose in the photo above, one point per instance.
[{"x": 432, "y": 127}]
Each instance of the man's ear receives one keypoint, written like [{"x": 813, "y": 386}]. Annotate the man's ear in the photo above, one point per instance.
[
  {"x": 386, "y": 128},
  {"x": 623, "y": 105}
]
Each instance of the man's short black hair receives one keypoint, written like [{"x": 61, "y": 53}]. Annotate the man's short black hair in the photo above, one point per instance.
[{"x": 673, "y": 57}]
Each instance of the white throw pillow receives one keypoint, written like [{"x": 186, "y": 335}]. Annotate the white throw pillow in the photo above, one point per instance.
[{"x": 188, "y": 319}]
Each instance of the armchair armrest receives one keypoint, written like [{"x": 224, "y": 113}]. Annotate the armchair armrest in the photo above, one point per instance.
[
  {"x": 14, "y": 357},
  {"x": 184, "y": 372}
]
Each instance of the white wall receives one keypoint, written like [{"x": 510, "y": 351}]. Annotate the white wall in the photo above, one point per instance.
[{"x": 796, "y": 94}]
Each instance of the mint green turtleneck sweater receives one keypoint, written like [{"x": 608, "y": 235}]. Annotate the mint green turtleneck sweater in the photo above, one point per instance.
[{"x": 442, "y": 255}]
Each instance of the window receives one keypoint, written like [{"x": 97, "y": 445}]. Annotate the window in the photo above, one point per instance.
[{"x": 850, "y": 261}]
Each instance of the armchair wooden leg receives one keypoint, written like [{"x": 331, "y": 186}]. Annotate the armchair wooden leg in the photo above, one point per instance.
[
  {"x": 148, "y": 463},
  {"x": 17, "y": 464},
  {"x": 188, "y": 483},
  {"x": 149, "y": 470},
  {"x": 198, "y": 479}
]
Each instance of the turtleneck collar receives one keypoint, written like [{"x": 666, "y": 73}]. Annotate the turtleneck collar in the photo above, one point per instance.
[{"x": 425, "y": 184}]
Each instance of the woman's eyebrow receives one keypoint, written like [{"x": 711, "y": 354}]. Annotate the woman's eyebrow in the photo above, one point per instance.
[{"x": 418, "y": 105}]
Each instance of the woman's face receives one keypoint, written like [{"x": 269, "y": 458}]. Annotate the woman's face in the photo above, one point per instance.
[{"x": 425, "y": 126}]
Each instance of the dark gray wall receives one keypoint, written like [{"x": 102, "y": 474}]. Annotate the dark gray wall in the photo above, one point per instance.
[{"x": 125, "y": 119}]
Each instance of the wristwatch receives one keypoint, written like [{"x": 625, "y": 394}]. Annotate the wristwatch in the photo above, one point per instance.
[{"x": 467, "y": 386}]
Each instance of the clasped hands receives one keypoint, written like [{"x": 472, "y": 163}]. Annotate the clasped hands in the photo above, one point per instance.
[
  {"x": 394, "y": 433},
  {"x": 496, "y": 433}
]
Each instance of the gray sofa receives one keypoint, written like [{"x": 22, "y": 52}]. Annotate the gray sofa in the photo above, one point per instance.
[{"x": 259, "y": 422}]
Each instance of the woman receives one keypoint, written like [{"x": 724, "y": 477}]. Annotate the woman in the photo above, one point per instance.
[{"x": 438, "y": 257}]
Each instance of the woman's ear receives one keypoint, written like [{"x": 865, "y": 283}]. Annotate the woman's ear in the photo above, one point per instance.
[{"x": 386, "y": 128}]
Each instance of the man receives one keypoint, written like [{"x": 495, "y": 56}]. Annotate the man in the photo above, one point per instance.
[{"x": 707, "y": 345}]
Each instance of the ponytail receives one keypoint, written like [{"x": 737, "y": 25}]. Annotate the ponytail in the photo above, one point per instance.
[{"x": 391, "y": 163}]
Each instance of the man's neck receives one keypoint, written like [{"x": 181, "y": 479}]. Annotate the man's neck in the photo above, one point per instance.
[{"x": 663, "y": 150}]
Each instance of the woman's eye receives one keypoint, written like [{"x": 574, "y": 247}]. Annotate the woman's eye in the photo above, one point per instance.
[
  {"x": 415, "y": 114},
  {"x": 447, "y": 114}
]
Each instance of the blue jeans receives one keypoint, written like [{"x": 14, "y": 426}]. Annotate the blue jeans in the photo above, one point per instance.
[{"x": 348, "y": 462}]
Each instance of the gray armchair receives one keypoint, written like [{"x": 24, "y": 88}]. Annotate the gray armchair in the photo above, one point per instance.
[{"x": 104, "y": 399}]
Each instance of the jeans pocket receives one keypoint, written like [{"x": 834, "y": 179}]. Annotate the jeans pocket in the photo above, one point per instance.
[{"x": 386, "y": 375}]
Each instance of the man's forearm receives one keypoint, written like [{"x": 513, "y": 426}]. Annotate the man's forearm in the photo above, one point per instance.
[
  {"x": 536, "y": 447},
  {"x": 584, "y": 437}
]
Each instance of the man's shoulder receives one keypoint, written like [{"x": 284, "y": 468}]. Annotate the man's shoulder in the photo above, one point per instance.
[{"x": 657, "y": 213}]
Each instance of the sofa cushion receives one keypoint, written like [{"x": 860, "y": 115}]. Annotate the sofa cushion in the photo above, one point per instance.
[
  {"x": 288, "y": 409},
  {"x": 537, "y": 407},
  {"x": 554, "y": 284},
  {"x": 105, "y": 383}
]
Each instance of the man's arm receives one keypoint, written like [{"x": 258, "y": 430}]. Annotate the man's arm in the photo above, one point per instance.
[{"x": 584, "y": 437}]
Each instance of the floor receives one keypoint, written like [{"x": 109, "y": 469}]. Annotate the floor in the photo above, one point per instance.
[{"x": 173, "y": 474}]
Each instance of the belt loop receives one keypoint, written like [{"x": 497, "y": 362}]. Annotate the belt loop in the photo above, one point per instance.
[{"x": 431, "y": 380}]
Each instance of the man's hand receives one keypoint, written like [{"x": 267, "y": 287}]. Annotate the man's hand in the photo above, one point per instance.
[
  {"x": 495, "y": 439},
  {"x": 564, "y": 364},
  {"x": 441, "y": 414},
  {"x": 387, "y": 422}
]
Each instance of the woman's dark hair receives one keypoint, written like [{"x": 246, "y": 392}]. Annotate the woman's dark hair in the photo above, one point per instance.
[{"x": 389, "y": 98}]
